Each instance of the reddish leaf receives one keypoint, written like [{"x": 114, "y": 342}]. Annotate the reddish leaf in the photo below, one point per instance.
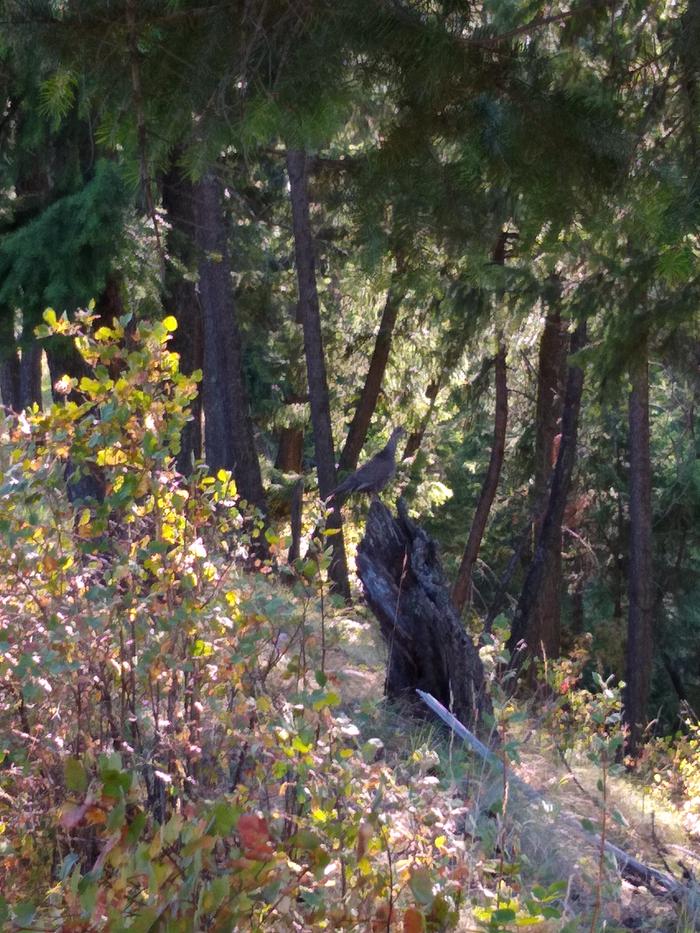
[
  {"x": 255, "y": 837},
  {"x": 413, "y": 921},
  {"x": 364, "y": 834}
]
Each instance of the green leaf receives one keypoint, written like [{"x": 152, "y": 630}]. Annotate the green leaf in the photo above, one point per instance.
[
  {"x": 310, "y": 569},
  {"x": 117, "y": 816},
  {"x": 503, "y": 915},
  {"x": 202, "y": 649},
  {"x": 75, "y": 776},
  {"x": 223, "y": 818},
  {"x": 145, "y": 920},
  {"x": 619, "y": 818},
  {"x": 135, "y": 829},
  {"x": 306, "y": 840},
  {"x": 67, "y": 865},
  {"x": 421, "y": 884},
  {"x": 24, "y": 913}
]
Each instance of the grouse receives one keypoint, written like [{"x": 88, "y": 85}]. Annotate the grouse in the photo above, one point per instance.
[{"x": 373, "y": 475}]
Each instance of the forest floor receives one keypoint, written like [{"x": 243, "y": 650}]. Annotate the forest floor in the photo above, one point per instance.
[{"x": 535, "y": 844}]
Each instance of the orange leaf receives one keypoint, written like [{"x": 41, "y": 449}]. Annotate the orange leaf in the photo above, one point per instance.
[
  {"x": 255, "y": 837},
  {"x": 364, "y": 834},
  {"x": 413, "y": 921},
  {"x": 94, "y": 815}
]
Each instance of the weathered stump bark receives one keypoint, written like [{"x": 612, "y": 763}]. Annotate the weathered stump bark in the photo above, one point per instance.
[{"x": 429, "y": 649}]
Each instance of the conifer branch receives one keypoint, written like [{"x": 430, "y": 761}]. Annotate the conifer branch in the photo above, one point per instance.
[
  {"x": 489, "y": 42},
  {"x": 541, "y": 21}
]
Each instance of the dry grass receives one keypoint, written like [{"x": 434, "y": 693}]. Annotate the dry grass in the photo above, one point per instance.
[{"x": 542, "y": 842}]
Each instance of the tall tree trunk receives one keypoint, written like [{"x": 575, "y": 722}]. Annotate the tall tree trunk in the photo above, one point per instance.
[
  {"x": 640, "y": 588},
  {"x": 550, "y": 531},
  {"x": 30, "y": 374},
  {"x": 180, "y": 299},
  {"x": 619, "y": 561},
  {"x": 315, "y": 359},
  {"x": 9, "y": 362},
  {"x": 290, "y": 451},
  {"x": 462, "y": 589},
  {"x": 228, "y": 432},
  {"x": 367, "y": 402},
  {"x": 545, "y": 621}
]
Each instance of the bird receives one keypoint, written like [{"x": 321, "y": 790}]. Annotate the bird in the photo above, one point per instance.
[{"x": 375, "y": 474}]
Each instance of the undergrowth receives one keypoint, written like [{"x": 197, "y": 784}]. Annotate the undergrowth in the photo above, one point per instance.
[{"x": 177, "y": 752}]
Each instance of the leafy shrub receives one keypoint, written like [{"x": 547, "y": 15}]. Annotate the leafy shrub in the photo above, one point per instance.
[
  {"x": 671, "y": 766},
  {"x": 168, "y": 759}
]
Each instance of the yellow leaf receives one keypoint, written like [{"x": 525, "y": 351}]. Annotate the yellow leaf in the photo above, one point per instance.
[{"x": 168, "y": 534}]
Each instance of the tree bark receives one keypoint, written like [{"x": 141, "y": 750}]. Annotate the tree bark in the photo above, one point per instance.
[
  {"x": 640, "y": 587},
  {"x": 9, "y": 362},
  {"x": 30, "y": 374},
  {"x": 545, "y": 620},
  {"x": 297, "y": 170},
  {"x": 290, "y": 451},
  {"x": 229, "y": 437},
  {"x": 462, "y": 589},
  {"x": 619, "y": 558},
  {"x": 405, "y": 588},
  {"x": 550, "y": 531},
  {"x": 180, "y": 299},
  {"x": 367, "y": 403}
]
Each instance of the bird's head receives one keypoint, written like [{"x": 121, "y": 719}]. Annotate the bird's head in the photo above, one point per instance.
[{"x": 396, "y": 436}]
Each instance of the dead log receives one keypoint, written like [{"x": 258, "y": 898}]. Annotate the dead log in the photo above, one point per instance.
[{"x": 405, "y": 588}]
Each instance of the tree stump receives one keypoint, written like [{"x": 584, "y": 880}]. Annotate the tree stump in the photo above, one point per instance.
[{"x": 404, "y": 586}]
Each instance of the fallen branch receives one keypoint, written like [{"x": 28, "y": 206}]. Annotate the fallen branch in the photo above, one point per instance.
[{"x": 630, "y": 867}]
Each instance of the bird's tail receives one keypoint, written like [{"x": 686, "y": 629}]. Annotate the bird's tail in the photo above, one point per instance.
[{"x": 339, "y": 492}]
